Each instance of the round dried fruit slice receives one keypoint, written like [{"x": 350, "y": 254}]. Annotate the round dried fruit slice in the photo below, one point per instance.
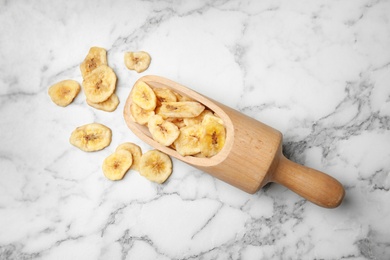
[
  {"x": 143, "y": 96},
  {"x": 140, "y": 115},
  {"x": 108, "y": 105},
  {"x": 164, "y": 95},
  {"x": 135, "y": 151},
  {"x": 212, "y": 138},
  {"x": 155, "y": 166},
  {"x": 91, "y": 137},
  {"x": 163, "y": 131},
  {"x": 138, "y": 61},
  {"x": 100, "y": 84},
  {"x": 181, "y": 109},
  {"x": 188, "y": 141},
  {"x": 117, "y": 164},
  {"x": 96, "y": 56},
  {"x": 63, "y": 92}
]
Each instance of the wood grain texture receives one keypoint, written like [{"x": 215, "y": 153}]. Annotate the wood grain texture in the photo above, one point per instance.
[{"x": 252, "y": 154}]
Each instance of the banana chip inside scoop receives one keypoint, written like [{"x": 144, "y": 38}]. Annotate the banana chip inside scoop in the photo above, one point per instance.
[
  {"x": 188, "y": 141},
  {"x": 144, "y": 96},
  {"x": 181, "y": 109},
  {"x": 163, "y": 131},
  {"x": 140, "y": 115},
  {"x": 212, "y": 138}
]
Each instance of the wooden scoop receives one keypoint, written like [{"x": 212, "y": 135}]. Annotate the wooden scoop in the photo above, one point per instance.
[{"x": 252, "y": 154}]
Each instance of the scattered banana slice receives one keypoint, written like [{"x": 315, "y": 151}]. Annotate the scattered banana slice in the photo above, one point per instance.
[
  {"x": 117, "y": 164},
  {"x": 91, "y": 137},
  {"x": 212, "y": 138},
  {"x": 155, "y": 166},
  {"x": 135, "y": 151},
  {"x": 138, "y": 61},
  {"x": 96, "y": 56},
  {"x": 164, "y": 95},
  {"x": 198, "y": 119},
  {"x": 188, "y": 141},
  {"x": 63, "y": 92},
  {"x": 108, "y": 105},
  {"x": 163, "y": 131},
  {"x": 181, "y": 109},
  {"x": 141, "y": 116},
  {"x": 100, "y": 84},
  {"x": 143, "y": 96}
]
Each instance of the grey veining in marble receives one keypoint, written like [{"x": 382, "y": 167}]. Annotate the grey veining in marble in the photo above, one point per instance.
[{"x": 318, "y": 71}]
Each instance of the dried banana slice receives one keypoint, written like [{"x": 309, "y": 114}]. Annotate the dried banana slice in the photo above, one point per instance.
[
  {"x": 211, "y": 117},
  {"x": 91, "y": 137},
  {"x": 96, "y": 56},
  {"x": 179, "y": 122},
  {"x": 181, "y": 109},
  {"x": 198, "y": 119},
  {"x": 143, "y": 96},
  {"x": 117, "y": 164},
  {"x": 188, "y": 141},
  {"x": 212, "y": 138},
  {"x": 164, "y": 95},
  {"x": 155, "y": 166},
  {"x": 135, "y": 151},
  {"x": 63, "y": 92},
  {"x": 182, "y": 98},
  {"x": 108, "y": 105},
  {"x": 141, "y": 116},
  {"x": 163, "y": 131},
  {"x": 138, "y": 61},
  {"x": 100, "y": 84}
]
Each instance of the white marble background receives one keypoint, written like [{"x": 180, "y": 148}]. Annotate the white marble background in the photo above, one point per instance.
[{"x": 319, "y": 71}]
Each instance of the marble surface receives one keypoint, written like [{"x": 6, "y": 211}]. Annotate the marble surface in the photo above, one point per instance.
[{"x": 319, "y": 71}]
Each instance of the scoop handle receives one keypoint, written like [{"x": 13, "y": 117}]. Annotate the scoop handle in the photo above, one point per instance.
[{"x": 315, "y": 186}]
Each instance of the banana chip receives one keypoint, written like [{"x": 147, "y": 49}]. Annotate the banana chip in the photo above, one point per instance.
[
  {"x": 164, "y": 95},
  {"x": 181, "y": 109},
  {"x": 188, "y": 141},
  {"x": 211, "y": 118},
  {"x": 108, "y": 105},
  {"x": 212, "y": 138},
  {"x": 91, "y": 137},
  {"x": 179, "y": 122},
  {"x": 117, "y": 164},
  {"x": 141, "y": 116},
  {"x": 155, "y": 166},
  {"x": 143, "y": 96},
  {"x": 96, "y": 56},
  {"x": 100, "y": 84},
  {"x": 63, "y": 92},
  {"x": 182, "y": 98},
  {"x": 135, "y": 151},
  {"x": 163, "y": 131},
  {"x": 138, "y": 61},
  {"x": 198, "y": 119}
]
